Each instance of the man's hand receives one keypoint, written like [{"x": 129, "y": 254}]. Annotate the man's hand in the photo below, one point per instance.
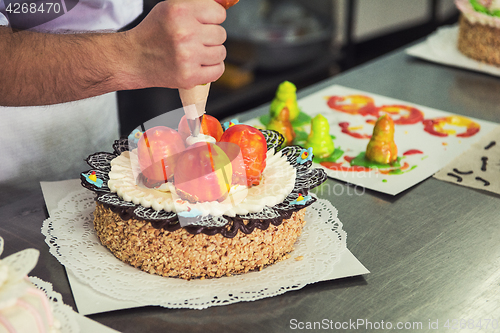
[{"x": 179, "y": 44}]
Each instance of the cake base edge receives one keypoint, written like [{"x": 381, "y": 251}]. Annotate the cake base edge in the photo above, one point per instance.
[
  {"x": 187, "y": 256},
  {"x": 479, "y": 42}
]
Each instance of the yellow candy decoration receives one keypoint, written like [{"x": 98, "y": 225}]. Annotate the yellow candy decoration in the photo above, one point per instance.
[
  {"x": 93, "y": 177},
  {"x": 382, "y": 148},
  {"x": 281, "y": 124}
]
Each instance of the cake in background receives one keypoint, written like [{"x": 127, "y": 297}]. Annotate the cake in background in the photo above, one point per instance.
[{"x": 479, "y": 30}]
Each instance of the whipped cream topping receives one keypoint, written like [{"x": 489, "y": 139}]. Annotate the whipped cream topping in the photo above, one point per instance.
[
  {"x": 278, "y": 181},
  {"x": 494, "y": 5},
  {"x": 191, "y": 140},
  {"x": 476, "y": 17}
]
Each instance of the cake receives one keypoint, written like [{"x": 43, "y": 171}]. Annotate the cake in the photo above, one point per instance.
[
  {"x": 160, "y": 230},
  {"x": 23, "y": 307},
  {"x": 479, "y": 30}
]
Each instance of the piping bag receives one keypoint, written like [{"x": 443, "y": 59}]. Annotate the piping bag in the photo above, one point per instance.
[{"x": 194, "y": 100}]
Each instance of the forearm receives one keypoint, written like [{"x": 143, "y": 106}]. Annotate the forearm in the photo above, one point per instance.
[
  {"x": 41, "y": 69},
  {"x": 178, "y": 45}
]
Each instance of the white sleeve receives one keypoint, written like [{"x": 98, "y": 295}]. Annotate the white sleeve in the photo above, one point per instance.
[
  {"x": 3, "y": 20},
  {"x": 89, "y": 15}
]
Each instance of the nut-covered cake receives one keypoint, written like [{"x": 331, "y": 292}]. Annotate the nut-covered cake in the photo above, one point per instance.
[
  {"x": 212, "y": 211},
  {"x": 479, "y": 30}
]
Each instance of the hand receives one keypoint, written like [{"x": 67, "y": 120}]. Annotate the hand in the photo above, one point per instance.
[{"x": 178, "y": 45}]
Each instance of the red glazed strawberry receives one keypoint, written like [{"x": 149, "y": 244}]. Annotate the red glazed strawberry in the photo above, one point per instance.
[
  {"x": 156, "y": 150},
  {"x": 233, "y": 152},
  {"x": 209, "y": 126},
  {"x": 253, "y": 149},
  {"x": 203, "y": 173}
]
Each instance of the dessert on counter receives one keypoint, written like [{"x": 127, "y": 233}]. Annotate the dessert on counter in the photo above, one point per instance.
[
  {"x": 204, "y": 210},
  {"x": 479, "y": 30}
]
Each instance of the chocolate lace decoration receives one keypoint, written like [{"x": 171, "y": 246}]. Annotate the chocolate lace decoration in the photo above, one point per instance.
[{"x": 227, "y": 226}]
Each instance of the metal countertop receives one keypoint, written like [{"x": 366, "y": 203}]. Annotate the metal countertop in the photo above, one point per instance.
[{"x": 433, "y": 250}]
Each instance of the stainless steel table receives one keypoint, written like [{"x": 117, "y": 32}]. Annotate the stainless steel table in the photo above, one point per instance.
[{"x": 433, "y": 250}]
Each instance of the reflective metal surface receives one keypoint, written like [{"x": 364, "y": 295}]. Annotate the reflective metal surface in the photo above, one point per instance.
[{"x": 433, "y": 250}]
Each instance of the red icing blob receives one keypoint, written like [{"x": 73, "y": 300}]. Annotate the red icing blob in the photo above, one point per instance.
[
  {"x": 349, "y": 158},
  {"x": 412, "y": 152},
  {"x": 345, "y": 129},
  {"x": 339, "y": 167}
]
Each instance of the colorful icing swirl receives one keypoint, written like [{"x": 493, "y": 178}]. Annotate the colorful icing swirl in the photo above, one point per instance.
[
  {"x": 353, "y": 104},
  {"x": 436, "y": 126}
]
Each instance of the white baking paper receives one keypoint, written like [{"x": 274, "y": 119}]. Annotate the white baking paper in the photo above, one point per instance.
[
  {"x": 434, "y": 152},
  {"x": 89, "y": 301}
]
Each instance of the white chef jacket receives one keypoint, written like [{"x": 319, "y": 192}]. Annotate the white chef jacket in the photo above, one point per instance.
[{"x": 52, "y": 142}]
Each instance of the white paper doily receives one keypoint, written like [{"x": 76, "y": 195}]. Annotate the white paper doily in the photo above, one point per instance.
[
  {"x": 72, "y": 240},
  {"x": 62, "y": 312}
]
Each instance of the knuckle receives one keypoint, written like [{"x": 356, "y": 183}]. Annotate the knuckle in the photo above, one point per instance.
[
  {"x": 215, "y": 12},
  {"x": 177, "y": 9},
  {"x": 183, "y": 56},
  {"x": 222, "y": 69},
  {"x": 181, "y": 35},
  {"x": 221, "y": 16},
  {"x": 218, "y": 73},
  {"x": 185, "y": 77},
  {"x": 223, "y": 35},
  {"x": 222, "y": 52}
]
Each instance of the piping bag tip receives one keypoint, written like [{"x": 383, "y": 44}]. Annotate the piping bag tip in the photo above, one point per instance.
[{"x": 194, "y": 102}]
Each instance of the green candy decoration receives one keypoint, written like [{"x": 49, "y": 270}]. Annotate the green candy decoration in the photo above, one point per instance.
[
  {"x": 319, "y": 138},
  {"x": 479, "y": 7},
  {"x": 286, "y": 96}
]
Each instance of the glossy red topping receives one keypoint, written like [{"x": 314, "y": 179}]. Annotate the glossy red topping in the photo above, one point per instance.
[
  {"x": 156, "y": 150},
  {"x": 253, "y": 149}
]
